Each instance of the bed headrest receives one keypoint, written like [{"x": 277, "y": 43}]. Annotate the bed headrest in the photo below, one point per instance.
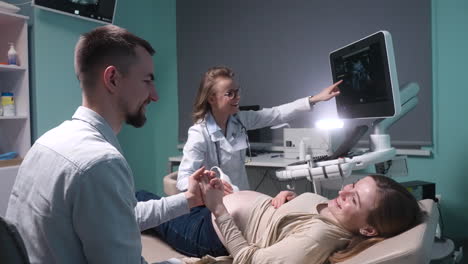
[{"x": 412, "y": 246}]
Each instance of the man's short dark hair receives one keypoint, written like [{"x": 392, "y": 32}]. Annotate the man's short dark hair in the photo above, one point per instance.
[{"x": 105, "y": 46}]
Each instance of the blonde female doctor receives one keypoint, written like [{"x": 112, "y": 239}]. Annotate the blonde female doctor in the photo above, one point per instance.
[{"x": 219, "y": 134}]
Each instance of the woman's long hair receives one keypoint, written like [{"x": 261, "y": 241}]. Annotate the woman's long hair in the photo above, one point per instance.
[
  {"x": 397, "y": 211},
  {"x": 205, "y": 90}
]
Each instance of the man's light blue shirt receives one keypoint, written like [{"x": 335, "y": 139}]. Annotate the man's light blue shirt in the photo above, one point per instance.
[{"x": 73, "y": 200}]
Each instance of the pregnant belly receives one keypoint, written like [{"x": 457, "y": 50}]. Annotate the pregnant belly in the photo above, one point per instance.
[{"x": 239, "y": 205}]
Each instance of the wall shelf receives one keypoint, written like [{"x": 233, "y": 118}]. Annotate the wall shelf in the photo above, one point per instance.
[
  {"x": 11, "y": 162},
  {"x": 15, "y": 131},
  {"x": 17, "y": 117},
  {"x": 11, "y": 68},
  {"x": 7, "y": 18}
]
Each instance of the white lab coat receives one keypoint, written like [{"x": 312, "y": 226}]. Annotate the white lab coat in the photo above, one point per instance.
[{"x": 206, "y": 141}]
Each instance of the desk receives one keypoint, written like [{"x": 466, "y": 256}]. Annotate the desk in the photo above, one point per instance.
[{"x": 260, "y": 171}]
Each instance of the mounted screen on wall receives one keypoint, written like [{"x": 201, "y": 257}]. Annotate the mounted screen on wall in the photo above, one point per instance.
[{"x": 101, "y": 11}]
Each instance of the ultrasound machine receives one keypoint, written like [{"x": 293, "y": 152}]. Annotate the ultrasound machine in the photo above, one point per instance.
[{"x": 369, "y": 90}]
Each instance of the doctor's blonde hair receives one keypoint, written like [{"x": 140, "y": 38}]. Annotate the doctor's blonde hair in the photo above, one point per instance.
[
  {"x": 201, "y": 106},
  {"x": 396, "y": 212}
]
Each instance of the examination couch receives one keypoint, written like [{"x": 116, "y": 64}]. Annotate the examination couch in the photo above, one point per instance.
[{"x": 412, "y": 246}]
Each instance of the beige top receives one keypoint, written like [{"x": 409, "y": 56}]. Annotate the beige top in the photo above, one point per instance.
[{"x": 293, "y": 233}]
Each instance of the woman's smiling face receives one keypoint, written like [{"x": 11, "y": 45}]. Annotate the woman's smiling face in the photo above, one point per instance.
[
  {"x": 354, "y": 203},
  {"x": 225, "y": 98}
]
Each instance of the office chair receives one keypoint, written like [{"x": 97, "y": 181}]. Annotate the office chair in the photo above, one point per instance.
[{"x": 12, "y": 249}]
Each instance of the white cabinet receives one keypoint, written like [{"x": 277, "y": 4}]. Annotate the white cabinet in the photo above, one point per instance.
[{"x": 15, "y": 131}]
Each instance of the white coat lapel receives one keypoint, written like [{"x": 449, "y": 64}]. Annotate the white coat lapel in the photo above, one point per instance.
[
  {"x": 239, "y": 142},
  {"x": 237, "y": 134},
  {"x": 226, "y": 146}
]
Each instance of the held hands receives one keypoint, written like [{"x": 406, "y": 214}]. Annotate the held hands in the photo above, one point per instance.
[
  {"x": 227, "y": 187},
  {"x": 213, "y": 193},
  {"x": 193, "y": 193},
  {"x": 327, "y": 93},
  {"x": 282, "y": 197}
]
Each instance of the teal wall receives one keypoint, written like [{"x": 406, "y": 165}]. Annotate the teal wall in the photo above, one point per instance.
[
  {"x": 448, "y": 167},
  {"x": 56, "y": 94},
  {"x": 147, "y": 149},
  {"x": 55, "y": 91}
]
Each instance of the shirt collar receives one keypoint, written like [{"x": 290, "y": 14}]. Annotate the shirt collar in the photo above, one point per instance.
[
  {"x": 235, "y": 119},
  {"x": 211, "y": 124},
  {"x": 215, "y": 132},
  {"x": 97, "y": 121}
]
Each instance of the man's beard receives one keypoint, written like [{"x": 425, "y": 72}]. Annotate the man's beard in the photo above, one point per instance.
[{"x": 137, "y": 119}]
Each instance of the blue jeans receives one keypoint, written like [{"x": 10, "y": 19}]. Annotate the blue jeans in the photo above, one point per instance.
[{"x": 191, "y": 234}]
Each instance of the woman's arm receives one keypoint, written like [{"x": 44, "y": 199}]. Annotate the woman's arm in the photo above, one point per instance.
[
  {"x": 275, "y": 115},
  {"x": 296, "y": 247},
  {"x": 286, "y": 112},
  {"x": 213, "y": 196},
  {"x": 300, "y": 247}
]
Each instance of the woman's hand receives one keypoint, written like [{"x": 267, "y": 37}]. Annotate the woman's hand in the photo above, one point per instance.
[
  {"x": 213, "y": 193},
  {"x": 227, "y": 187},
  {"x": 193, "y": 193},
  {"x": 327, "y": 93},
  {"x": 282, "y": 197}
]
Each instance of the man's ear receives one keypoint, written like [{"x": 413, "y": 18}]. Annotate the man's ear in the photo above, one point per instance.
[
  {"x": 368, "y": 231},
  {"x": 111, "y": 77}
]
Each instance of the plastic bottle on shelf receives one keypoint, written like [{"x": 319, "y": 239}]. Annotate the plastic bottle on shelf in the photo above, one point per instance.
[
  {"x": 8, "y": 104},
  {"x": 12, "y": 55}
]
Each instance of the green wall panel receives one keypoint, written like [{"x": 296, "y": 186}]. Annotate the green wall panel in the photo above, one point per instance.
[{"x": 448, "y": 168}]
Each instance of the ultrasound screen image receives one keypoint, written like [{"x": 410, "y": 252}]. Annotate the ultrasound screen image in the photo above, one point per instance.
[
  {"x": 102, "y": 10},
  {"x": 84, "y": 2},
  {"x": 363, "y": 80}
]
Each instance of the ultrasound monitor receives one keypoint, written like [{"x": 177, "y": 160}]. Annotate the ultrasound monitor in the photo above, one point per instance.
[
  {"x": 370, "y": 84},
  {"x": 101, "y": 11}
]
